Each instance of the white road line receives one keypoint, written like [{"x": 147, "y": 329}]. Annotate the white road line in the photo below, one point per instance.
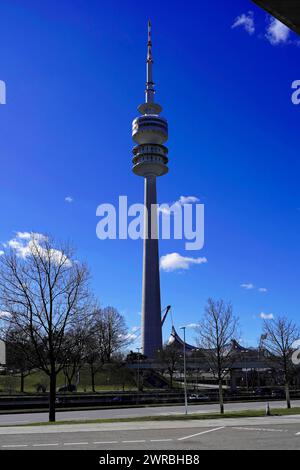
[
  {"x": 161, "y": 440},
  {"x": 15, "y": 445},
  {"x": 199, "y": 433},
  {"x": 297, "y": 434},
  {"x": 105, "y": 442},
  {"x": 44, "y": 445},
  {"x": 128, "y": 442},
  {"x": 75, "y": 443},
  {"x": 259, "y": 429}
]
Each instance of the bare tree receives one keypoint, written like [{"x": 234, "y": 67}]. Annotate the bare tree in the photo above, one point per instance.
[
  {"x": 216, "y": 330},
  {"x": 111, "y": 332},
  {"x": 45, "y": 291},
  {"x": 170, "y": 356},
  {"x": 74, "y": 351},
  {"x": 92, "y": 357},
  {"x": 20, "y": 354},
  {"x": 279, "y": 335},
  {"x": 108, "y": 336}
]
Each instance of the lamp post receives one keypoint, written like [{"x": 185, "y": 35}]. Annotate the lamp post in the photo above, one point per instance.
[
  {"x": 184, "y": 372},
  {"x": 138, "y": 374}
]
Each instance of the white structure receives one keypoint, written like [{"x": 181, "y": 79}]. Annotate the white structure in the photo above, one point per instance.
[
  {"x": 150, "y": 132},
  {"x": 2, "y": 353}
]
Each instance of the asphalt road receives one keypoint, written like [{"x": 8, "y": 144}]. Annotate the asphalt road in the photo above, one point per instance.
[
  {"x": 244, "y": 433},
  {"x": 26, "y": 418}
]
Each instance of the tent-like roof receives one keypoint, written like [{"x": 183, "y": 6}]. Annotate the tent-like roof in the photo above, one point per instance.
[{"x": 174, "y": 338}]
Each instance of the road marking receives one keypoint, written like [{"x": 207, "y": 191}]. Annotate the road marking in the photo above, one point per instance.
[
  {"x": 199, "y": 433},
  {"x": 105, "y": 442},
  {"x": 43, "y": 445},
  {"x": 259, "y": 429},
  {"x": 15, "y": 445},
  {"x": 128, "y": 442},
  {"x": 161, "y": 440},
  {"x": 297, "y": 434},
  {"x": 75, "y": 443}
]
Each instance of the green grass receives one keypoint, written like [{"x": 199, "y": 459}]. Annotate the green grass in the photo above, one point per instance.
[
  {"x": 107, "y": 379},
  {"x": 179, "y": 417}
]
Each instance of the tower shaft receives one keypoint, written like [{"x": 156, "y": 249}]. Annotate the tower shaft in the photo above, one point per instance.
[{"x": 151, "y": 306}]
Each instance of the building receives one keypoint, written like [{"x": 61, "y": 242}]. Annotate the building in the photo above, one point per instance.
[{"x": 150, "y": 158}]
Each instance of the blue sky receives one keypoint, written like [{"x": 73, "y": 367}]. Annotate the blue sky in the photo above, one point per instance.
[{"x": 75, "y": 73}]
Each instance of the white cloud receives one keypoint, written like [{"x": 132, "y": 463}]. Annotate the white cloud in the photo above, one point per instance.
[
  {"x": 135, "y": 328},
  {"x": 263, "y": 289},
  {"x": 277, "y": 32},
  {"x": 23, "y": 235},
  {"x": 25, "y": 243},
  {"x": 248, "y": 286},
  {"x": 246, "y": 21},
  {"x": 129, "y": 337},
  {"x": 179, "y": 203},
  {"x": 266, "y": 316},
  {"x": 192, "y": 325},
  {"x": 4, "y": 314},
  {"x": 1, "y": 252},
  {"x": 174, "y": 261},
  {"x": 187, "y": 200},
  {"x": 69, "y": 199}
]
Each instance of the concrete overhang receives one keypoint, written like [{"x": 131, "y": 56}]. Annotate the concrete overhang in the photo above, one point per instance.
[{"x": 286, "y": 11}]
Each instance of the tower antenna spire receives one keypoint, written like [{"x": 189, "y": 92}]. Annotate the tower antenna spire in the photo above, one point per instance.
[{"x": 149, "y": 83}]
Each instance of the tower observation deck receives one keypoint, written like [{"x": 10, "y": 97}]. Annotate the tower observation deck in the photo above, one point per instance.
[{"x": 150, "y": 158}]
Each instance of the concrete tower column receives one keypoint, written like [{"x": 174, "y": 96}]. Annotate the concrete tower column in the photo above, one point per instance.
[{"x": 151, "y": 306}]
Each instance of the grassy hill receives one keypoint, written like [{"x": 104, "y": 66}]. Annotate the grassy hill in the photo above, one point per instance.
[{"x": 109, "y": 378}]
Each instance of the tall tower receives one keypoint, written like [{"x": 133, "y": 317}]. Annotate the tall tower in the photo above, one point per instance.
[{"x": 150, "y": 158}]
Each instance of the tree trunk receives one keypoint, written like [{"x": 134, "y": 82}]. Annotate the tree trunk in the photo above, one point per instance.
[
  {"x": 93, "y": 377},
  {"x": 52, "y": 395},
  {"x": 22, "y": 383},
  {"x": 171, "y": 380},
  {"x": 287, "y": 395},
  {"x": 221, "y": 400},
  {"x": 70, "y": 380}
]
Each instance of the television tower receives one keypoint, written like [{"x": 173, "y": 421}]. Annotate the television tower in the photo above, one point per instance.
[{"x": 150, "y": 158}]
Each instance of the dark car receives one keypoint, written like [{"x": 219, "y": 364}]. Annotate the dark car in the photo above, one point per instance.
[
  {"x": 67, "y": 388},
  {"x": 262, "y": 392},
  {"x": 278, "y": 393}
]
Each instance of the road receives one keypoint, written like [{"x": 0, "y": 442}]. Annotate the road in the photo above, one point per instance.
[
  {"x": 243, "y": 433},
  {"x": 27, "y": 418}
]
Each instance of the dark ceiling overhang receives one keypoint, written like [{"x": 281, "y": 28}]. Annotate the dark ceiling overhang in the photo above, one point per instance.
[{"x": 286, "y": 11}]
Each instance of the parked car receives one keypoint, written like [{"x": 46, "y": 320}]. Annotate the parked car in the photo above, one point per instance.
[
  {"x": 262, "y": 392},
  {"x": 198, "y": 397},
  {"x": 278, "y": 393},
  {"x": 67, "y": 388}
]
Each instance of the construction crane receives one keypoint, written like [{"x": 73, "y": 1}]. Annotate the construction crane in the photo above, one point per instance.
[{"x": 165, "y": 312}]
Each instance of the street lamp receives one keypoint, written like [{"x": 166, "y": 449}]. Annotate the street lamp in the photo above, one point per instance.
[
  {"x": 184, "y": 372},
  {"x": 138, "y": 374}
]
